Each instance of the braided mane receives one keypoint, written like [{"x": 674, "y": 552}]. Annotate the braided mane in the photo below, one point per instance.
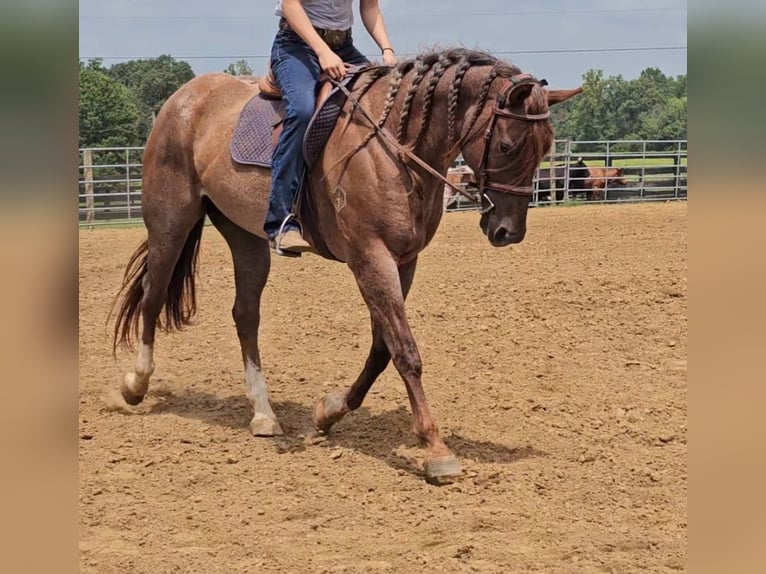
[
  {"x": 419, "y": 77},
  {"x": 427, "y": 70}
]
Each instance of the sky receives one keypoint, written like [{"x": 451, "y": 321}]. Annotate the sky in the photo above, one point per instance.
[{"x": 558, "y": 40}]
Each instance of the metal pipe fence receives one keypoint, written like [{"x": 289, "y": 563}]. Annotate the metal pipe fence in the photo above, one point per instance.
[
  {"x": 110, "y": 185},
  {"x": 632, "y": 170},
  {"x": 626, "y": 170},
  {"x": 637, "y": 170}
]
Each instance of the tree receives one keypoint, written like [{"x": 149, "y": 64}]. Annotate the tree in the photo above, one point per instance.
[
  {"x": 96, "y": 64},
  {"x": 589, "y": 118},
  {"x": 667, "y": 122},
  {"x": 680, "y": 86},
  {"x": 109, "y": 113},
  {"x": 652, "y": 106},
  {"x": 239, "y": 68},
  {"x": 153, "y": 81}
]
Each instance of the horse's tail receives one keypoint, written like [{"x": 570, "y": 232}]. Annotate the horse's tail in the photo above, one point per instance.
[{"x": 180, "y": 300}]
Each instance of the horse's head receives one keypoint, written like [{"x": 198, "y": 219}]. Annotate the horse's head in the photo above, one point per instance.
[
  {"x": 617, "y": 177},
  {"x": 517, "y": 137}
]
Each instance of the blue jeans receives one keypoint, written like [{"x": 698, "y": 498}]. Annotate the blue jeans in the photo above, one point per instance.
[{"x": 296, "y": 70}]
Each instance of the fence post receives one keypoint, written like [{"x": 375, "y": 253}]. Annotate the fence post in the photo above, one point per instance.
[
  {"x": 568, "y": 160},
  {"x": 552, "y": 183},
  {"x": 677, "y": 165},
  {"x": 607, "y": 165},
  {"x": 87, "y": 163},
  {"x": 127, "y": 179},
  {"x": 643, "y": 171}
]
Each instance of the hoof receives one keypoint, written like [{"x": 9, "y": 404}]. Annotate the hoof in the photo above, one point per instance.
[
  {"x": 261, "y": 425},
  {"x": 329, "y": 411},
  {"x": 442, "y": 470},
  {"x": 126, "y": 390}
]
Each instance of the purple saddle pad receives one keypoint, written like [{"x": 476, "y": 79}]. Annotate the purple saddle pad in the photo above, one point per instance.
[
  {"x": 251, "y": 143},
  {"x": 252, "y": 140}
]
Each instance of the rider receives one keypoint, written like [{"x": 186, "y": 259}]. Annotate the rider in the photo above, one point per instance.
[{"x": 313, "y": 36}]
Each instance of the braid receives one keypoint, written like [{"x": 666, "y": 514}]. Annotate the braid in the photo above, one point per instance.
[
  {"x": 420, "y": 71},
  {"x": 438, "y": 71},
  {"x": 438, "y": 63},
  {"x": 484, "y": 92},
  {"x": 369, "y": 79},
  {"x": 395, "y": 82},
  {"x": 462, "y": 68}
]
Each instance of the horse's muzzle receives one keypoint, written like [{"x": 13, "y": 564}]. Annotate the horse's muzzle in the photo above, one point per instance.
[{"x": 503, "y": 236}]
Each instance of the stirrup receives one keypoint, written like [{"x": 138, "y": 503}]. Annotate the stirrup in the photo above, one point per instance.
[{"x": 276, "y": 242}]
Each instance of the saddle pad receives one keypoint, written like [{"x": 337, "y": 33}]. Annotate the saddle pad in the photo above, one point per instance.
[
  {"x": 322, "y": 124},
  {"x": 252, "y": 141}
]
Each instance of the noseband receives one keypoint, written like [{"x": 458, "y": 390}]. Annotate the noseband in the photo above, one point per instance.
[{"x": 499, "y": 111}]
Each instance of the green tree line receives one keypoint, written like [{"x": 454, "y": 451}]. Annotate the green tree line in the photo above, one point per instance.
[
  {"x": 118, "y": 104},
  {"x": 650, "y": 107}
]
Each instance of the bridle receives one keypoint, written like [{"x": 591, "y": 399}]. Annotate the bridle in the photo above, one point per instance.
[{"x": 498, "y": 112}]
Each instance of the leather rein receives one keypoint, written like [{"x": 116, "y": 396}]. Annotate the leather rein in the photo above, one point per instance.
[{"x": 498, "y": 111}]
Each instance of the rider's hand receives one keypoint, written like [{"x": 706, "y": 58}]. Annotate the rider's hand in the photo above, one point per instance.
[
  {"x": 389, "y": 58},
  {"x": 331, "y": 64}
]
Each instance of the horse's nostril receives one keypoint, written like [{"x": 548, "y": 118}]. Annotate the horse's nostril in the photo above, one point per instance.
[{"x": 504, "y": 236}]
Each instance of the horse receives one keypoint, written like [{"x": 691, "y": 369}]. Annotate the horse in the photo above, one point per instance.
[
  {"x": 557, "y": 178},
  {"x": 600, "y": 178},
  {"x": 385, "y": 158},
  {"x": 578, "y": 174},
  {"x": 551, "y": 180},
  {"x": 457, "y": 176}
]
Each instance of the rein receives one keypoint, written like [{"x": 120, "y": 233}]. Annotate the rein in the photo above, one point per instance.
[
  {"x": 498, "y": 111},
  {"x": 403, "y": 151}
]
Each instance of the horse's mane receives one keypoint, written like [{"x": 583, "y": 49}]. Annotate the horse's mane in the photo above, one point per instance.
[{"x": 431, "y": 67}]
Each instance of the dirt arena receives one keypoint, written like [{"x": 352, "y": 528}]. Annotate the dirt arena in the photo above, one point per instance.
[{"x": 556, "y": 370}]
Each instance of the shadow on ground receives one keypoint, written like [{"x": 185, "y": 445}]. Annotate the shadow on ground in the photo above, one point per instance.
[{"x": 386, "y": 436}]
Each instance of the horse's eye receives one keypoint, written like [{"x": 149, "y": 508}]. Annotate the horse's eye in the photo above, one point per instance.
[{"x": 505, "y": 148}]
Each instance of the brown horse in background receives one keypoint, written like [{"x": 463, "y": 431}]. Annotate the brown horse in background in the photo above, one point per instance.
[
  {"x": 458, "y": 176},
  {"x": 392, "y": 205},
  {"x": 600, "y": 178}
]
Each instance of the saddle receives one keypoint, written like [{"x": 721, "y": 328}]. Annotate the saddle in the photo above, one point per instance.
[
  {"x": 260, "y": 121},
  {"x": 258, "y": 129}
]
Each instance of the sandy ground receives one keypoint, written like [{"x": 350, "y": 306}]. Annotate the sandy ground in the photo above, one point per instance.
[{"x": 556, "y": 370}]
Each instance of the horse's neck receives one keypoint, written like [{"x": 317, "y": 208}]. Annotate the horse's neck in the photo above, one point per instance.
[{"x": 439, "y": 148}]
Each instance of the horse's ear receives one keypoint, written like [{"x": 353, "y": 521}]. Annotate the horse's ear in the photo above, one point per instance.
[
  {"x": 518, "y": 95},
  {"x": 558, "y": 96}
]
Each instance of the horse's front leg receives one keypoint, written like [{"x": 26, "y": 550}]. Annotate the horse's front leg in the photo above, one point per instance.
[
  {"x": 334, "y": 406},
  {"x": 377, "y": 275}
]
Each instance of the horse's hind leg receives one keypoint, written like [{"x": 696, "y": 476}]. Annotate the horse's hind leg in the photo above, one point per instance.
[
  {"x": 334, "y": 406},
  {"x": 251, "y": 270},
  {"x": 162, "y": 269}
]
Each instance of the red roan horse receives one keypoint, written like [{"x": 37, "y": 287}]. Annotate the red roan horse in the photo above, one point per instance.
[
  {"x": 384, "y": 170},
  {"x": 601, "y": 178}
]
